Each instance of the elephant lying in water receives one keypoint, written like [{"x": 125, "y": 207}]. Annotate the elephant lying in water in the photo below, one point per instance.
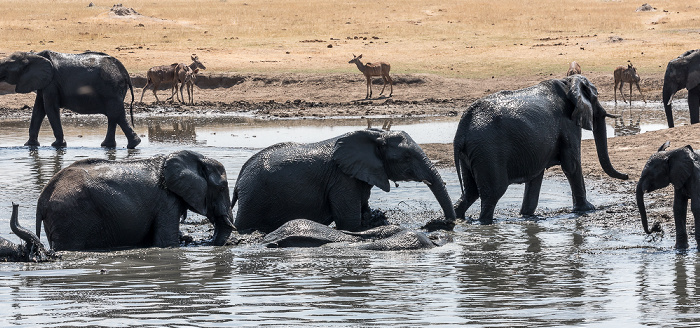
[
  {"x": 307, "y": 233},
  {"x": 32, "y": 251}
]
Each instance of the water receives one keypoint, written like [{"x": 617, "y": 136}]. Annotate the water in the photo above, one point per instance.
[{"x": 560, "y": 271}]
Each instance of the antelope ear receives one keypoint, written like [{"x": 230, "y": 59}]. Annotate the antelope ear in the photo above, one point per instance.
[
  {"x": 357, "y": 155},
  {"x": 37, "y": 74},
  {"x": 184, "y": 175},
  {"x": 581, "y": 94}
]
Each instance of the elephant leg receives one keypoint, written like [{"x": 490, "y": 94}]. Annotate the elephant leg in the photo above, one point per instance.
[
  {"x": 532, "y": 195},
  {"x": 694, "y": 104},
  {"x": 131, "y": 135},
  {"x": 571, "y": 165},
  {"x": 680, "y": 211},
  {"x": 110, "y": 141},
  {"x": 346, "y": 206},
  {"x": 695, "y": 208},
  {"x": 166, "y": 230},
  {"x": 38, "y": 114},
  {"x": 53, "y": 114},
  {"x": 469, "y": 195},
  {"x": 492, "y": 185}
]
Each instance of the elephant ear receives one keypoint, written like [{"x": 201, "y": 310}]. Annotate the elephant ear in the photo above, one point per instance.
[
  {"x": 37, "y": 74},
  {"x": 357, "y": 155},
  {"x": 184, "y": 175},
  {"x": 680, "y": 164},
  {"x": 583, "y": 95}
]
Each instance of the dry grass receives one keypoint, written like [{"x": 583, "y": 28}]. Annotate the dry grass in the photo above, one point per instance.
[{"x": 472, "y": 38}]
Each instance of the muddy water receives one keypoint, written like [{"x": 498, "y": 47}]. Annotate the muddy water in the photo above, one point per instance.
[{"x": 555, "y": 270}]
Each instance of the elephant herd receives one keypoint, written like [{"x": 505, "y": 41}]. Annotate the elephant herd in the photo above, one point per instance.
[{"x": 293, "y": 191}]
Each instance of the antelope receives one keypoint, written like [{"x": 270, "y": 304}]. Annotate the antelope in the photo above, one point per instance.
[
  {"x": 574, "y": 68},
  {"x": 628, "y": 75},
  {"x": 186, "y": 77},
  {"x": 164, "y": 74},
  {"x": 374, "y": 69},
  {"x": 181, "y": 72}
]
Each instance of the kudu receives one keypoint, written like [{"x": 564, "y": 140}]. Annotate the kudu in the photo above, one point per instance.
[
  {"x": 574, "y": 68},
  {"x": 629, "y": 75},
  {"x": 186, "y": 77},
  {"x": 374, "y": 69},
  {"x": 166, "y": 74}
]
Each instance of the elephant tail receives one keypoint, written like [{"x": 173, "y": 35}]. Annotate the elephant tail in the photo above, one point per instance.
[
  {"x": 38, "y": 226},
  {"x": 458, "y": 163},
  {"x": 131, "y": 108},
  {"x": 234, "y": 198}
]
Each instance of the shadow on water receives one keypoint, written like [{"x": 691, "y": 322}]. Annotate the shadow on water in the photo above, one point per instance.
[{"x": 553, "y": 270}]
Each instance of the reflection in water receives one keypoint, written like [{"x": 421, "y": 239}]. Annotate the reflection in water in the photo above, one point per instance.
[
  {"x": 38, "y": 166},
  {"x": 626, "y": 130},
  {"x": 181, "y": 132}
]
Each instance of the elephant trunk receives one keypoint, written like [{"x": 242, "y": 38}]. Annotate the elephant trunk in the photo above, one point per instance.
[
  {"x": 640, "y": 205},
  {"x": 34, "y": 245},
  {"x": 437, "y": 186},
  {"x": 223, "y": 226},
  {"x": 600, "y": 136},
  {"x": 668, "y": 91}
]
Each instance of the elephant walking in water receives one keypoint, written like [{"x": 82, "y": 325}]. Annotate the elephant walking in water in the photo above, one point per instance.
[
  {"x": 87, "y": 83},
  {"x": 513, "y": 136},
  {"x": 330, "y": 181}
]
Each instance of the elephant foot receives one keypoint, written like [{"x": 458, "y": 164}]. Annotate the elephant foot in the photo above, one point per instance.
[
  {"x": 584, "y": 208},
  {"x": 133, "y": 142},
  {"x": 32, "y": 143},
  {"x": 439, "y": 224},
  {"x": 59, "y": 144},
  {"x": 109, "y": 144},
  {"x": 681, "y": 245}
]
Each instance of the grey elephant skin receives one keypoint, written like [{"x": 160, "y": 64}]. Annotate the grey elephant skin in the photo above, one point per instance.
[
  {"x": 87, "y": 83},
  {"x": 681, "y": 168},
  {"x": 32, "y": 250},
  {"x": 683, "y": 73},
  {"x": 306, "y": 233},
  {"x": 96, "y": 204},
  {"x": 513, "y": 136},
  {"x": 330, "y": 181}
]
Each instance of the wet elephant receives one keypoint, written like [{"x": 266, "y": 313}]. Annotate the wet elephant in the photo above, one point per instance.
[
  {"x": 97, "y": 204},
  {"x": 681, "y": 168},
  {"x": 330, "y": 181},
  {"x": 32, "y": 249},
  {"x": 683, "y": 73},
  {"x": 513, "y": 136},
  {"x": 87, "y": 83}
]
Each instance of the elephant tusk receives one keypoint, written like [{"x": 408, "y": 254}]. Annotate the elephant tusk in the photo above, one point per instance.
[
  {"x": 427, "y": 182},
  {"x": 396, "y": 184}
]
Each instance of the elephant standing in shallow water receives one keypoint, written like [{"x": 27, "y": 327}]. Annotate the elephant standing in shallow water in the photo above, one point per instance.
[
  {"x": 96, "y": 204},
  {"x": 87, "y": 83},
  {"x": 681, "y": 168},
  {"x": 513, "y": 136},
  {"x": 330, "y": 181}
]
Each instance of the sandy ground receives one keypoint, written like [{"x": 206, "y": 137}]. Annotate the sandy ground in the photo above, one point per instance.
[{"x": 328, "y": 95}]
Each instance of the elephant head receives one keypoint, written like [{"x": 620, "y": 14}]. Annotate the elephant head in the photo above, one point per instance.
[
  {"x": 590, "y": 115},
  {"x": 376, "y": 156},
  {"x": 201, "y": 183},
  {"x": 32, "y": 250},
  {"x": 664, "y": 168},
  {"x": 27, "y": 71},
  {"x": 681, "y": 73}
]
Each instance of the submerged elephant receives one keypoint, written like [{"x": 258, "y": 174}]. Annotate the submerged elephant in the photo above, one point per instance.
[
  {"x": 306, "y": 233},
  {"x": 97, "y": 204},
  {"x": 681, "y": 168},
  {"x": 32, "y": 250},
  {"x": 513, "y": 136},
  {"x": 330, "y": 181},
  {"x": 683, "y": 73},
  {"x": 87, "y": 83}
]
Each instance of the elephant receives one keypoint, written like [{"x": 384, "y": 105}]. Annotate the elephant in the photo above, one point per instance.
[
  {"x": 513, "y": 136},
  {"x": 330, "y": 181},
  {"x": 683, "y": 73},
  {"x": 307, "y": 233},
  {"x": 86, "y": 83},
  {"x": 681, "y": 168},
  {"x": 96, "y": 204},
  {"x": 32, "y": 251}
]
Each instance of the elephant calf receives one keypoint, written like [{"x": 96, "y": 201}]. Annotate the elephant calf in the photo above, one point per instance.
[
  {"x": 32, "y": 250},
  {"x": 330, "y": 181},
  {"x": 681, "y": 168},
  {"x": 96, "y": 204}
]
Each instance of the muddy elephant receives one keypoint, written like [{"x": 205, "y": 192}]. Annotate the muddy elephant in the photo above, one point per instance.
[
  {"x": 31, "y": 251},
  {"x": 513, "y": 136},
  {"x": 307, "y": 233},
  {"x": 681, "y": 168},
  {"x": 97, "y": 204},
  {"x": 683, "y": 73},
  {"x": 330, "y": 181},
  {"x": 86, "y": 83}
]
